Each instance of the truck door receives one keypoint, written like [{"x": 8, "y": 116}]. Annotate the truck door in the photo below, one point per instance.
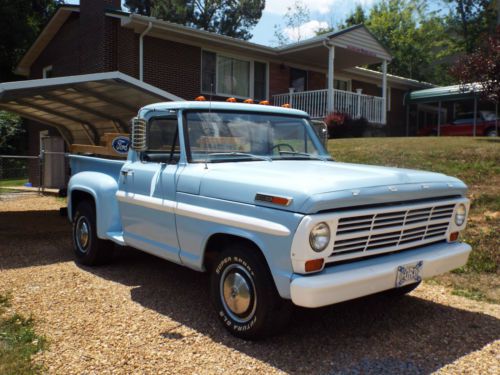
[{"x": 147, "y": 192}]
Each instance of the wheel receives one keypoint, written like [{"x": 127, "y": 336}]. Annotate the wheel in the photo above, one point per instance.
[
  {"x": 244, "y": 295},
  {"x": 491, "y": 133},
  {"x": 402, "y": 291},
  {"x": 89, "y": 249}
]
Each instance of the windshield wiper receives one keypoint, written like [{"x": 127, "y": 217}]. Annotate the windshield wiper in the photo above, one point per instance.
[
  {"x": 303, "y": 154},
  {"x": 253, "y": 156}
]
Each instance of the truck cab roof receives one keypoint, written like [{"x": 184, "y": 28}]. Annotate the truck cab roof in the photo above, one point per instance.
[{"x": 223, "y": 106}]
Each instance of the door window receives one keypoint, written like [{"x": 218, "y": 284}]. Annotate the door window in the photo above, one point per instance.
[{"x": 162, "y": 141}]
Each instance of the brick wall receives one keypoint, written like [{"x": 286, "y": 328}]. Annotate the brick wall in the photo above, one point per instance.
[
  {"x": 173, "y": 67},
  {"x": 63, "y": 52},
  {"x": 316, "y": 81}
]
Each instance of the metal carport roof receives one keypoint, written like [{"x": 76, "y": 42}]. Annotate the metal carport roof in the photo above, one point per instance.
[
  {"x": 81, "y": 107},
  {"x": 443, "y": 94}
]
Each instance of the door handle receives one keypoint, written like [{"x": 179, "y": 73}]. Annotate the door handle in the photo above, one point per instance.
[{"x": 127, "y": 172}]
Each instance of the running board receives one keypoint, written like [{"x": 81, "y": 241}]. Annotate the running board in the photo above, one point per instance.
[{"x": 116, "y": 237}]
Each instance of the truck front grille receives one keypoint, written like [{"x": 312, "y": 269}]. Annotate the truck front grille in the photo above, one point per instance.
[{"x": 381, "y": 231}]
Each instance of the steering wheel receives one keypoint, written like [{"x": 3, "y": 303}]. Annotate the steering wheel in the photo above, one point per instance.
[{"x": 279, "y": 145}]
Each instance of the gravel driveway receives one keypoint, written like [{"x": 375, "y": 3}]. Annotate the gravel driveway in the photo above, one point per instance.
[{"x": 145, "y": 315}]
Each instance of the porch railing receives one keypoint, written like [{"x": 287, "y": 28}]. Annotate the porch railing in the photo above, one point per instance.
[{"x": 315, "y": 103}]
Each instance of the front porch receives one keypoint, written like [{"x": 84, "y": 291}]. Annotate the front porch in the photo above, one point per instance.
[
  {"x": 315, "y": 102},
  {"x": 329, "y": 56}
]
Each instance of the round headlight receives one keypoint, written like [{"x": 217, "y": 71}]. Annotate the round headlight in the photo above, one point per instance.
[
  {"x": 460, "y": 214},
  {"x": 319, "y": 237}
]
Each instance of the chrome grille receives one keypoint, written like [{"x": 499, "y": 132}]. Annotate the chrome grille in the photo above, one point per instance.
[{"x": 381, "y": 231}]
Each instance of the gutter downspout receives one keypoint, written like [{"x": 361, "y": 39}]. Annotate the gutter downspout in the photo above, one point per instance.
[{"x": 141, "y": 50}]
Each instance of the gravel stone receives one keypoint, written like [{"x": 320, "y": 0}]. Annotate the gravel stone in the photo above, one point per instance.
[{"x": 144, "y": 315}]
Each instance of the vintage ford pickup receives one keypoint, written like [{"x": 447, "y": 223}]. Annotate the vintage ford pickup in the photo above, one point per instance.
[{"x": 249, "y": 194}]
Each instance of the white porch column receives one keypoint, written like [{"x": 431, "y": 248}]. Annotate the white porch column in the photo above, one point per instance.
[
  {"x": 384, "y": 92},
  {"x": 331, "y": 76}
]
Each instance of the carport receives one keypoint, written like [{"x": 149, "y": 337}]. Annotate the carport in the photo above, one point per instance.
[
  {"x": 81, "y": 107},
  {"x": 446, "y": 94}
]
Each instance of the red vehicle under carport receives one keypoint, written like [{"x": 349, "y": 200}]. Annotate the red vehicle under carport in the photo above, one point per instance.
[{"x": 463, "y": 125}]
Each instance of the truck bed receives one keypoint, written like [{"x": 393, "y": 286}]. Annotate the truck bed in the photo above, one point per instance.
[{"x": 80, "y": 163}]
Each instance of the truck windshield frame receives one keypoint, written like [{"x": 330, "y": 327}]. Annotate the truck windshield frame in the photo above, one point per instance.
[{"x": 239, "y": 136}]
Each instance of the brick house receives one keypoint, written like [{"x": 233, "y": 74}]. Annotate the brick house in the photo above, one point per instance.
[{"x": 319, "y": 75}]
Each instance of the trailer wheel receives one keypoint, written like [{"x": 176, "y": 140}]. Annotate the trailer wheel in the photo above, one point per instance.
[
  {"x": 89, "y": 249},
  {"x": 244, "y": 295}
]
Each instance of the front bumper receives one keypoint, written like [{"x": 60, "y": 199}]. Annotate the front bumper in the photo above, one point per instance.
[{"x": 348, "y": 281}]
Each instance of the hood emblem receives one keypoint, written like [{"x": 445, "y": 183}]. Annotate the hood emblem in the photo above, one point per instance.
[
  {"x": 355, "y": 192},
  {"x": 392, "y": 188}
]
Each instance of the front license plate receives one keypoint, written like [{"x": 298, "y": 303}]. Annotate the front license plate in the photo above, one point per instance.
[{"x": 409, "y": 274}]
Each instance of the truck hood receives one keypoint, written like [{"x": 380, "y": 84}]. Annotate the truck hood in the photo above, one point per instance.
[{"x": 320, "y": 185}]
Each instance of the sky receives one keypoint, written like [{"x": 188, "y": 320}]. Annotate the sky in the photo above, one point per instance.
[{"x": 323, "y": 13}]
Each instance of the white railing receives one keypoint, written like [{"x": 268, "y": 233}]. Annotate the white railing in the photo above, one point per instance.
[{"x": 315, "y": 103}]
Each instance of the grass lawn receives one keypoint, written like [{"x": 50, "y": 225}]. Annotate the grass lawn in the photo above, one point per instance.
[
  {"x": 11, "y": 182},
  {"x": 18, "y": 342},
  {"x": 477, "y": 163}
]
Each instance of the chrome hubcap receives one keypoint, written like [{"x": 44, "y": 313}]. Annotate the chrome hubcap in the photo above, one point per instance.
[
  {"x": 238, "y": 293},
  {"x": 82, "y": 234}
]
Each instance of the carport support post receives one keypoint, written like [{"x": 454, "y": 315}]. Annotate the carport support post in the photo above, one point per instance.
[
  {"x": 496, "y": 104},
  {"x": 439, "y": 118},
  {"x": 475, "y": 116},
  {"x": 331, "y": 77}
]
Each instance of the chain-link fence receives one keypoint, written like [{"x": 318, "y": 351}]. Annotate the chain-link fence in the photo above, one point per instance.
[
  {"x": 17, "y": 173},
  {"x": 21, "y": 174}
]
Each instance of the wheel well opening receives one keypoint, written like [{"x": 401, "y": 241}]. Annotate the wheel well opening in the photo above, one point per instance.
[
  {"x": 78, "y": 196},
  {"x": 218, "y": 242}
]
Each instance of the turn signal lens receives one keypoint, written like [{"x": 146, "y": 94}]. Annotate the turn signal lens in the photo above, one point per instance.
[
  {"x": 248, "y": 101},
  {"x": 314, "y": 265},
  {"x": 264, "y": 102},
  {"x": 200, "y": 98},
  {"x": 454, "y": 236},
  {"x": 231, "y": 100},
  {"x": 286, "y": 105}
]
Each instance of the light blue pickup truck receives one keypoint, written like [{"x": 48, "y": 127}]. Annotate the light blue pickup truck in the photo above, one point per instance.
[{"x": 249, "y": 194}]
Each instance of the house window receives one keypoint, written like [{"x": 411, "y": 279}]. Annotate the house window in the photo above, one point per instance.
[
  {"x": 260, "y": 81},
  {"x": 47, "y": 72},
  {"x": 233, "y": 76},
  {"x": 298, "y": 79},
  {"x": 340, "y": 84},
  {"x": 228, "y": 76}
]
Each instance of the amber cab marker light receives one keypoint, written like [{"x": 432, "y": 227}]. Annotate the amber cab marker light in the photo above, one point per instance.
[
  {"x": 231, "y": 100},
  {"x": 314, "y": 265},
  {"x": 454, "y": 236},
  {"x": 200, "y": 98},
  {"x": 286, "y": 105},
  {"x": 264, "y": 102},
  {"x": 248, "y": 101}
]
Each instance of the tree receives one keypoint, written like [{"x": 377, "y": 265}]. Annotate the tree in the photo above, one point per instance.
[
  {"x": 233, "y": 18},
  {"x": 469, "y": 19},
  {"x": 11, "y": 132},
  {"x": 20, "y": 23},
  {"x": 296, "y": 15},
  {"x": 482, "y": 66},
  {"x": 357, "y": 17}
]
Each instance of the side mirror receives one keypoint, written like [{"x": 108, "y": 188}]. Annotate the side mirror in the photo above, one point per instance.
[
  {"x": 138, "y": 139},
  {"x": 321, "y": 130}
]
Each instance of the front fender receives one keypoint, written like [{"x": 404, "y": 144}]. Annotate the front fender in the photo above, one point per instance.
[{"x": 102, "y": 188}]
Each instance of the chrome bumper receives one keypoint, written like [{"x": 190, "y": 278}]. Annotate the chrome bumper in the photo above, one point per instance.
[{"x": 348, "y": 281}]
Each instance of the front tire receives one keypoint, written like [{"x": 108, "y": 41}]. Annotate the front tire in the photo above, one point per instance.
[
  {"x": 244, "y": 295},
  {"x": 89, "y": 249}
]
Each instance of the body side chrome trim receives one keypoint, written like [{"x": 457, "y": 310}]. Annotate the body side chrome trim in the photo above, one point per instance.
[{"x": 205, "y": 214}]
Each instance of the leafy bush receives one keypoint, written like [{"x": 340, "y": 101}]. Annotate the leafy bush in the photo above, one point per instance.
[{"x": 341, "y": 125}]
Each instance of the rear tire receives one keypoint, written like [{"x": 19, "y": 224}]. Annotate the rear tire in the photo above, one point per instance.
[
  {"x": 244, "y": 294},
  {"x": 89, "y": 249}
]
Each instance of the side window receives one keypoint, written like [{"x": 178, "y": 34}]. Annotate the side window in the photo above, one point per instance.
[{"x": 163, "y": 141}]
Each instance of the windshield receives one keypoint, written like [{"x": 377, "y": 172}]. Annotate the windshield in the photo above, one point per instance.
[{"x": 246, "y": 136}]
